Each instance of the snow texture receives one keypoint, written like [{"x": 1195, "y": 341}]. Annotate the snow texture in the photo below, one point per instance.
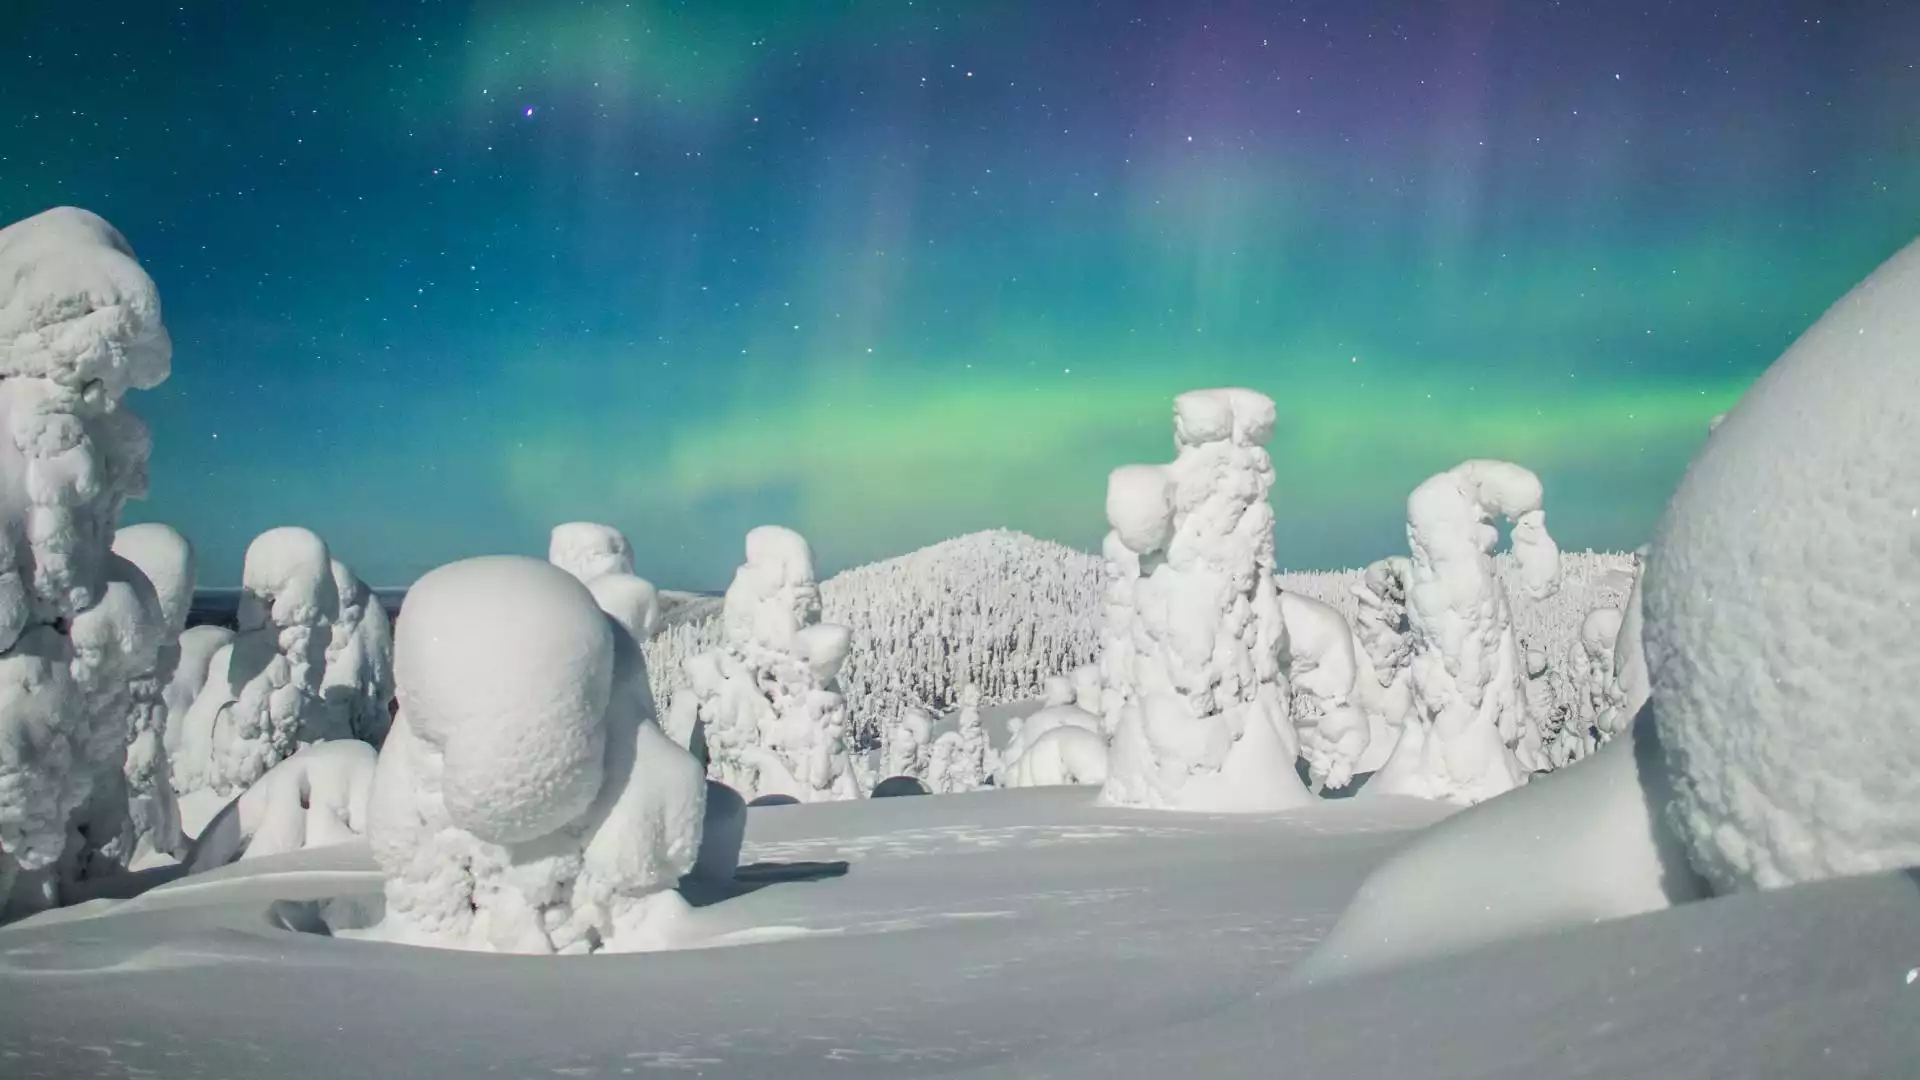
[
  {"x": 1782, "y": 607},
  {"x": 317, "y": 797},
  {"x": 356, "y": 685},
  {"x": 525, "y": 800},
  {"x": 1003, "y": 934},
  {"x": 908, "y": 745},
  {"x": 587, "y": 550},
  {"x": 1470, "y": 736},
  {"x": 1195, "y": 639},
  {"x": 272, "y": 687},
  {"x": 766, "y": 702}
]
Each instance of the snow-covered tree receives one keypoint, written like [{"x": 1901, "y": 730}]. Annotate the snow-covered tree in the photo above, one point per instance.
[
  {"x": 1383, "y": 681},
  {"x": 1632, "y": 685},
  {"x": 1470, "y": 737},
  {"x": 1202, "y": 711},
  {"x": 960, "y": 760},
  {"x": 357, "y": 683},
  {"x": 278, "y": 658},
  {"x": 1322, "y": 672},
  {"x": 79, "y": 327},
  {"x": 115, "y": 643},
  {"x": 908, "y": 746},
  {"x": 1594, "y": 697},
  {"x": 165, "y": 559},
  {"x": 1782, "y": 608},
  {"x": 767, "y": 702},
  {"x": 525, "y": 801},
  {"x": 586, "y": 550}
]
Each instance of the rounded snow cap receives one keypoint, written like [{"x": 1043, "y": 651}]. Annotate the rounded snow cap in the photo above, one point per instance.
[
  {"x": 287, "y": 580},
  {"x": 1782, "y": 603},
  {"x": 631, "y": 601},
  {"x": 784, "y": 555},
  {"x": 1140, "y": 507},
  {"x": 166, "y": 558},
  {"x": 75, "y": 306},
  {"x": 587, "y": 549},
  {"x": 1205, "y": 416},
  {"x": 505, "y": 665}
]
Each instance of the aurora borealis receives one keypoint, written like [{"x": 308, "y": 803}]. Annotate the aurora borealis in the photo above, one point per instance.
[{"x": 442, "y": 275}]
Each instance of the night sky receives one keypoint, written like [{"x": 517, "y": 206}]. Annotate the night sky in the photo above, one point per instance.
[{"x": 440, "y": 275}]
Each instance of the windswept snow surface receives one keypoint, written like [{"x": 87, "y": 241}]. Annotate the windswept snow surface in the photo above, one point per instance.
[{"x": 1025, "y": 934}]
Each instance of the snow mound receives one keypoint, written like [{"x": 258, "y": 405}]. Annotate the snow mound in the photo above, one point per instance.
[
  {"x": 1782, "y": 604},
  {"x": 317, "y": 797},
  {"x": 1192, "y": 648},
  {"x": 1063, "y": 754},
  {"x": 1584, "y": 844},
  {"x": 587, "y": 550}
]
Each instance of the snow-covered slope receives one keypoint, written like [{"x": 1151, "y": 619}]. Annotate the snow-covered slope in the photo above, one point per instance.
[
  {"x": 1004, "y": 934},
  {"x": 999, "y": 609}
]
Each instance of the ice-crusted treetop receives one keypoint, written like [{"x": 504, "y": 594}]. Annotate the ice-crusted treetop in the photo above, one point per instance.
[
  {"x": 774, "y": 593},
  {"x": 588, "y": 549},
  {"x": 287, "y": 580},
  {"x": 631, "y": 601},
  {"x": 166, "y": 558},
  {"x": 1782, "y": 606},
  {"x": 1451, "y": 516},
  {"x": 1246, "y": 417},
  {"x": 504, "y": 664},
  {"x": 76, "y": 308}
]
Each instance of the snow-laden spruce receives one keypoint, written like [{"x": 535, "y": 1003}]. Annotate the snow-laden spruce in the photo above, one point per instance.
[
  {"x": 1323, "y": 675},
  {"x": 963, "y": 759},
  {"x": 1782, "y": 607},
  {"x": 79, "y": 327},
  {"x": 587, "y": 550},
  {"x": 357, "y": 683},
  {"x": 1470, "y": 736},
  {"x": 1201, "y": 716},
  {"x": 275, "y": 666},
  {"x": 766, "y": 702},
  {"x": 1383, "y": 656},
  {"x": 907, "y": 748},
  {"x": 166, "y": 559},
  {"x": 525, "y": 800}
]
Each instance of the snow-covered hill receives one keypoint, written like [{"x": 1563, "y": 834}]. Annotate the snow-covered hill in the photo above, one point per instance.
[
  {"x": 1004, "y": 610},
  {"x": 999, "y": 609}
]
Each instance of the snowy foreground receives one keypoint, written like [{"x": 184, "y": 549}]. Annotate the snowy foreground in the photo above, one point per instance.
[{"x": 1023, "y": 934}]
